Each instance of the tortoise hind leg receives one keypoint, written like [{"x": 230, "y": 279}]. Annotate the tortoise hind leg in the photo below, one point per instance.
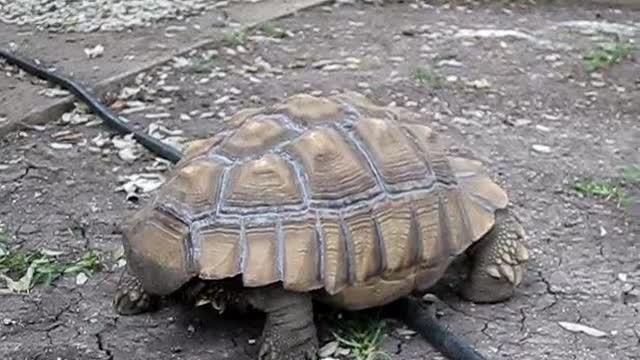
[
  {"x": 289, "y": 332},
  {"x": 498, "y": 262},
  {"x": 130, "y": 298}
]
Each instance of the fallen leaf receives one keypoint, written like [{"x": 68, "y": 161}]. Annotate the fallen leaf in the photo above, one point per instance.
[
  {"x": 54, "y": 92},
  {"x": 573, "y": 327},
  {"x": 136, "y": 183},
  {"x": 328, "y": 349},
  {"x": 60, "y": 146},
  {"x": 51, "y": 252},
  {"x": 94, "y": 52},
  {"x": 25, "y": 283},
  {"x": 81, "y": 278},
  {"x": 128, "y": 149},
  {"x": 480, "y": 84}
]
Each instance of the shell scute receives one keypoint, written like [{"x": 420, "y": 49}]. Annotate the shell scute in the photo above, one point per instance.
[
  {"x": 261, "y": 265},
  {"x": 364, "y": 245},
  {"x": 394, "y": 219},
  {"x": 334, "y": 170},
  {"x": 301, "y": 258},
  {"x": 428, "y": 143},
  {"x": 398, "y": 161},
  {"x": 194, "y": 188},
  {"x": 156, "y": 250},
  {"x": 255, "y": 136},
  {"x": 268, "y": 182},
  {"x": 220, "y": 251},
  {"x": 307, "y": 110},
  {"x": 336, "y": 267}
]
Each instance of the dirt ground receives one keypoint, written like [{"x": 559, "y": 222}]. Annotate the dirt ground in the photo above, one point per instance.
[{"x": 519, "y": 99}]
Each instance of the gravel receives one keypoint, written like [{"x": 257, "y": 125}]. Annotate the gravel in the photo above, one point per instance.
[{"x": 101, "y": 15}]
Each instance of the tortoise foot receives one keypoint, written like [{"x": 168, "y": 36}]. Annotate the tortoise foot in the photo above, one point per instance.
[
  {"x": 286, "y": 344},
  {"x": 499, "y": 262},
  {"x": 130, "y": 298},
  {"x": 289, "y": 332}
]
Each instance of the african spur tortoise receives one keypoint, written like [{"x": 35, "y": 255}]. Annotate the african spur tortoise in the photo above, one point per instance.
[{"x": 334, "y": 199}]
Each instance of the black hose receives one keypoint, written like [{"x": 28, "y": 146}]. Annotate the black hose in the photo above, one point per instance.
[
  {"x": 418, "y": 318},
  {"x": 112, "y": 120}
]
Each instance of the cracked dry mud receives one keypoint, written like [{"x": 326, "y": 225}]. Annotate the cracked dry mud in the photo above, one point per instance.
[{"x": 499, "y": 97}]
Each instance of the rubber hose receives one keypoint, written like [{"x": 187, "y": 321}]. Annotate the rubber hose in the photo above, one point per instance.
[
  {"x": 414, "y": 314},
  {"x": 112, "y": 120}
]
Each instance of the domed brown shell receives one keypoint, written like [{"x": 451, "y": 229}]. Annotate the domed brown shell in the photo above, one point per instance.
[{"x": 318, "y": 193}]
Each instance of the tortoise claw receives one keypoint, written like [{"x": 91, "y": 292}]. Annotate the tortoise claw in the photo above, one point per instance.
[{"x": 130, "y": 298}]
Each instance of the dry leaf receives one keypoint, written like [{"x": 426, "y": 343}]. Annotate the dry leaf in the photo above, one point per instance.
[
  {"x": 145, "y": 182},
  {"x": 328, "y": 349},
  {"x": 60, "y": 146},
  {"x": 574, "y": 327},
  {"x": 94, "y": 52}
]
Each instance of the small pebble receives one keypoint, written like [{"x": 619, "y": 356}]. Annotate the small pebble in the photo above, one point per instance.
[{"x": 544, "y": 149}]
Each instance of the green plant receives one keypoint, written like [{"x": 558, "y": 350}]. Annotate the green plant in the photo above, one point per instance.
[
  {"x": 597, "y": 187},
  {"x": 271, "y": 31},
  {"x": 203, "y": 66},
  {"x": 605, "y": 55},
  {"x": 631, "y": 173},
  {"x": 610, "y": 189},
  {"x": 4, "y": 237},
  {"x": 427, "y": 76},
  {"x": 362, "y": 336},
  {"x": 21, "y": 271},
  {"x": 237, "y": 37}
]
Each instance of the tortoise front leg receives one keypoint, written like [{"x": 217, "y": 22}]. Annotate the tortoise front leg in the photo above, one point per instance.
[
  {"x": 498, "y": 262},
  {"x": 289, "y": 332},
  {"x": 130, "y": 298}
]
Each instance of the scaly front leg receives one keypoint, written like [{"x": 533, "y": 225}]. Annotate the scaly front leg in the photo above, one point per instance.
[
  {"x": 130, "y": 298},
  {"x": 499, "y": 261}
]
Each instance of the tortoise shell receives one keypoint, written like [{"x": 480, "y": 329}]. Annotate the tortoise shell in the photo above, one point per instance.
[{"x": 318, "y": 193}]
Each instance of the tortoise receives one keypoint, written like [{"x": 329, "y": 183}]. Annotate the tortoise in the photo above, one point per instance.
[{"x": 334, "y": 199}]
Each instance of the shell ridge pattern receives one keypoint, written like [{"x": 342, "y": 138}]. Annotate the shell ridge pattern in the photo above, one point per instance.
[
  {"x": 321, "y": 246},
  {"x": 483, "y": 203},
  {"x": 380, "y": 240},
  {"x": 319, "y": 241},
  {"x": 445, "y": 224},
  {"x": 464, "y": 216},
  {"x": 184, "y": 219},
  {"x": 349, "y": 249},
  {"x": 351, "y": 139},
  {"x": 442, "y": 175},
  {"x": 244, "y": 245},
  {"x": 426, "y": 182},
  {"x": 287, "y": 122},
  {"x": 280, "y": 256},
  {"x": 170, "y": 208},
  {"x": 302, "y": 180},
  {"x": 422, "y": 156},
  {"x": 326, "y": 206},
  {"x": 328, "y": 203},
  {"x": 219, "y": 156},
  {"x": 416, "y": 235},
  {"x": 194, "y": 250},
  {"x": 223, "y": 188}
]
